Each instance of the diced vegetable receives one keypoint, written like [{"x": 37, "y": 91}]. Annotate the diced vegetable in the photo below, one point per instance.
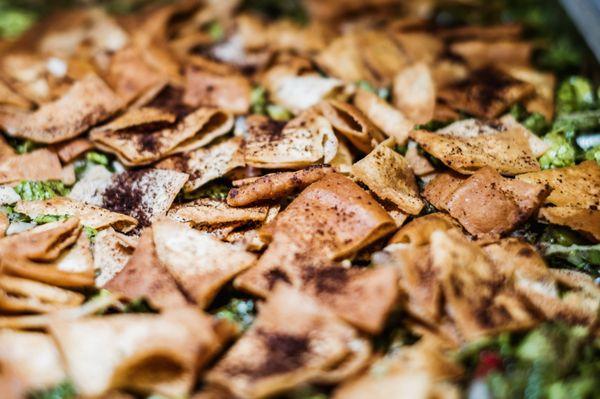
[
  {"x": 43, "y": 219},
  {"x": 240, "y": 311},
  {"x": 40, "y": 190},
  {"x": 65, "y": 390},
  {"x": 258, "y": 100},
  {"x": 561, "y": 152},
  {"x": 575, "y": 94},
  {"x": 278, "y": 113},
  {"x": 583, "y": 257}
]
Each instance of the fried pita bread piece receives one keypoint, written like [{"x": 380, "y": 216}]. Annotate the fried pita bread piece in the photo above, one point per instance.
[
  {"x": 33, "y": 357},
  {"x": 274, "y": 185},
  {"x": 389, "y": 176},
  {"x": 91, "y": 185},
  {"x": 6, "y": 150},
  {"x": 555, "y": 293},
  {"x": 486, "y": 93},
  {"x": 298, "y": 93},
  {"x": 144, "y": 194},
  {"x": 200, "y": 263},
  {"x": 22, "y": 295},
  {"x": 286, "y": 349},
  {"x": 89, "y": 215},
  {"x": 508, "y": 152},
  {"x": 575, "y": 186},
  {"x": 230, "y": 93},
  {"x": 70, "y": 150},
  {"x": 348, "y": 121},
  {"x": 362, "y": 297},
  {"x": 10, "y": 98},
  {"x": 331, "y": 219},
  {"x": 480, "y": 53},
  {"x": 420, "y": 371},
  {"x": 586, "y": 221},
  {"x": 112, "y": 251},
  {"x": 390, "y": 120},
  {"x": 141, "y": 352},
  {"x": 476, "y": 298},
  {"x": 4, "y": 223},
  {"x": 38, "y": 165},
  {"x": 414, "y": 93},
  {"x": 206, "y": 164},
  {"x": 140, "y": 144},
  {"x": 418, "y": 231},
  {"x": 211, "y": 212},
  {"x": 486, "y": 204},
  {"x": 306, "y": 140},
  {"x": 87, "y": 102},
  {"x": 542, "y": 100},
  {"x": 144, "y": 276}
]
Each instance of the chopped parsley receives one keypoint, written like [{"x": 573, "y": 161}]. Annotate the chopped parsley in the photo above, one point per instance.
[{"x": 40, "y": 190}]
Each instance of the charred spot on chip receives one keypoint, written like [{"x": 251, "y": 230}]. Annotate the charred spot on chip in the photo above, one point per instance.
[
  {"x": 123, "y": 196},
  {"x": 326, "y": 279},
  {"x": 276, "y": 275},
  {"x": 286, "y": 352},
  {"x": 170, "y": 98}
]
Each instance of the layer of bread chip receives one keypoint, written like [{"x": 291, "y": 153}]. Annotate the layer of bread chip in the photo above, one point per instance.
[
  {"x": 414, "y": 93},
  {"x": 230, "y": 93},
  {"x": 286, "y": 349},
  {"x": 38, "y": 165},
  {"x": 88, "y": 102},
  {"x": 207, "y": 211},
  {"x": 112, "y": 251}
]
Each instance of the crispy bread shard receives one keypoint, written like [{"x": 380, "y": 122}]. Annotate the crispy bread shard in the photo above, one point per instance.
[
  {"x": 574, "y": 186},
  {"x": 208, "y": 163},
  {"x": 139, "y": 352},
  {"x": 350, "y": 122},
  {"x": 285, "y": 349},
  {"x": 27, "y": 296},
  {"x": 144, "y": 276},
  {"x": 210, "y": 212},
  {"x": 298, "y": 93},
  {"x": 389, "y": 176},
  {"x": 418, "y": 231},
  {"x": 89, "y": 215},
  {"x": 4, "y": 223},
  {"x": 390, "y": 120},
  {"x": 230, "y": 93},
  {"x": 414, "y": 93},
  {"x": 142, "y": 140},
  {"x": 542, "y": 100},
  {"x": 87, "y": 103},
  {"x": 306, "y": 140},
  {"x": 476, "y": 297},
  {"x": 480, "y": 53},
  {"x": 508, "y": 152},
  {"x": 200, "y": 263},
  {"x": 275, "y": 185},
  {"x": 37, "y": 165},
  {"x": 33, "y": 357},
  {"x": 586, "y": 221},
  {"x": 486, "y": 93},
  {"x": 144, "y": 194},
  {"x": 112, "y": 251},
  {"x": 486, "y": 204}
]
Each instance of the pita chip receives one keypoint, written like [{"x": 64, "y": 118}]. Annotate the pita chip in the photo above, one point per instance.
[
  {"x": 414, "y": 93},
  {"x": 200, "y": 263},
  {"x": 87, "y": 102},
  {"x": 112, "y": 251},
  {"x": 38, "y": 165},
  {"x": 229, "y": 93},
  {"x": 389, "y": 176},
  {"x": 306, "y": 140},
  {"x": 586, "y": 221},
  {"x": 144, "y": 276},
  {"x": 286, "y": 349},
  {"x": 25, "y": 296},
  {"x": 210, "y": 212},
  {"x": 480, "y": 53}
]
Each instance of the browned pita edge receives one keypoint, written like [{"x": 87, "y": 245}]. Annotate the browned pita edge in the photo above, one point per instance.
[
  {"x": 420, "y": 46},
  {"x": 144, "y": 194},
  {"x": 4, "y": 223},
  {"x": 89, "y": 215},
  {"x": 212, "y": 212},
  {"x": 200, "y": 263},
  {"x": 388, "y": 175},
  {"x": 315, "y": 229},
  {"x": 285, "y": 349},
  {"x": 418, "y": 231},
  {"x": 10, "y": 98},
  {"x": 274, "y": 186},
  {"x": 508, "y": 152},
  {"x": 481, "y": 53},
  {"x": 542, "y": 100},
  {"x": 230, "y": 93},
  {"x": 70, "y": 150},
  {"x": 208, "y": 163},
  {"x": 554, "y": 293},
  {"x": 422, "y": 370},
  {"x": 145, "y": 277},
  {"x": 249, "y": 236},
  {"x": 19, "y": 295},
  {"x": 585, "y": 221},
  {"x": 477, "y": 298},
  {"x": 31, "y": 359},
  {"x": 40, "y": 254},
  {"x": 171, "y": 348},
  {"x": 414, "y": 93},
  {"x": 574, "y": 186},
  {"x": 86, "y": 103},
  {"x": 38, "y": 165},
  {"x": 112, "y": 251},
  {"x": 348, "y": 121},
  {"x": 146, "y": 135},
  {"x": 486, "y": 204},
  {"x": 504, "y": 31},
  {"x": 306, "y": 140},
  {"x": 486, "y": 93},
  {"x": 390, "y": 120},
  {"x": 6, "y": 151}
]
